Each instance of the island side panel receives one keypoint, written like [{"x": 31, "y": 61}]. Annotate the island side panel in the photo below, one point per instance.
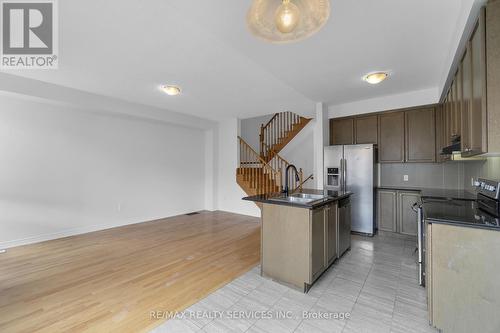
[
  {"x": 465, "y": 285},
  {"x": 285, "y": 244}
]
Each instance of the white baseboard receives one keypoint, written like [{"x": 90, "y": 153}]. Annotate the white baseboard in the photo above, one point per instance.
[{"x": 74, "y": 232}]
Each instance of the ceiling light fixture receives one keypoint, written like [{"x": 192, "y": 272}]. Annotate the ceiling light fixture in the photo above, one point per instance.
[
  {"x": 282, "y": 21},
  {"x": 375, "y": 78},
  {"x": 171, "y": 90}
]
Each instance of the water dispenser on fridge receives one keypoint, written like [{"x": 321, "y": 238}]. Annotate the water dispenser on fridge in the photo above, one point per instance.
[{"x": 332, "y": 178}]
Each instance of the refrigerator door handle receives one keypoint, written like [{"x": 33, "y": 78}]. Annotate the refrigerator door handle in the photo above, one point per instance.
[
  {"x": 341, "y": 183},
  {"x": 344, "y": 175}
]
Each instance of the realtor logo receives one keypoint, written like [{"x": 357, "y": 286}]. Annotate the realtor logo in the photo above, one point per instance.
[{"x": 29, "y": 34}]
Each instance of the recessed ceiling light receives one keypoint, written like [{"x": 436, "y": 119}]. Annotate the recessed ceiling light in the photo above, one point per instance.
[
  {"x": 374, "y": 78},
  {"x": 171, "y": 90}
]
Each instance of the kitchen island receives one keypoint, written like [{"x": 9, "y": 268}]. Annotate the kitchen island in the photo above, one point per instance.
[
  {"x": 461, "y": 266},
  {"x": 302, "y": 234}
]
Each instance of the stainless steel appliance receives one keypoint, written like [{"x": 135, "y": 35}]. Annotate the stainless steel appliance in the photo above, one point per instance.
[
  {"x": 417, "y": 207},
  {"x": 485, "y": 210},
  {"x": 344, "y": 227},
  {"x": 351, "y": 168}
]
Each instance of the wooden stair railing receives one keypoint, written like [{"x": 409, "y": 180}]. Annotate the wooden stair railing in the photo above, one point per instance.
[
  {"x": 302, "y": 182},
  {"x": 257, "y": 175},
  {"x": 278, "y": 131},
  {"x": 278, "y": 163}
]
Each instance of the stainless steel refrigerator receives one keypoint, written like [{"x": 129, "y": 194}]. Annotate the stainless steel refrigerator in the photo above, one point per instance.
[{"x": 352, "y": 168}]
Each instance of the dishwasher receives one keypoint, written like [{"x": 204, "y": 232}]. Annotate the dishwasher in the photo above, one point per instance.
[{"x": 344, "y": 226}]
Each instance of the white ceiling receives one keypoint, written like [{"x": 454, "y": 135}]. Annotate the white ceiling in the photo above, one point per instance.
[{"x": 125, "y": 49}]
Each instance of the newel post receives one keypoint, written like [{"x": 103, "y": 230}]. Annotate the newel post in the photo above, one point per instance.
[
  {"x": 261, "y": 139},
  {"x": 279, "y": 182}
]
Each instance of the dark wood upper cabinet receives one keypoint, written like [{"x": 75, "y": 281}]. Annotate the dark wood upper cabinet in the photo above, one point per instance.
[
  {"x": 448, "y": 118},
  {"x": 492, "y": 22},
  {"x": 366, "y": 129},
  {"x": 466, "y": 71},
  {"x": 420, "y": 135},
  {"x": 441, "y": 132},
  {"x": 477, "y": 125},
  {"x": 391, "y": 137},
  {"x": 455, "y": 122},
  {"x": 342, "y": 131}
]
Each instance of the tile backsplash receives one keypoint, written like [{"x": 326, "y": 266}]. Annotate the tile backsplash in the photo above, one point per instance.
[
  {"x": 448, "y": 175},
  {"x": 489, "y": 168}
]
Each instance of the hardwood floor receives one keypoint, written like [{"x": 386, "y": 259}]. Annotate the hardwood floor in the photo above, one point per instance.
[{"x": 110, "y": 280}]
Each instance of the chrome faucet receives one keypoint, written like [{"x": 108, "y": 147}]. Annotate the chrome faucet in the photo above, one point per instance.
[{"x": 297, "y": 178}]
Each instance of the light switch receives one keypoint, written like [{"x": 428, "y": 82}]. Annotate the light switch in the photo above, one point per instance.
[{"x": 405, "y": 178}]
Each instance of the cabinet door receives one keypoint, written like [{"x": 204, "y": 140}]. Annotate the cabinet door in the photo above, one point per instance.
[
  {"x": 386, "y": 210},
  {"x": 420, "y": 135},
  {"x": 447, "y": 119},
  {"x": 317, "y": 242},
  {"x": 477, "y": 120},
  {"x": 459, "y": 102},
  {"x": 454, "y": 112},
  {"x": 332, "y": 233},
  {"x": 342, "y": 131},
  {"x": 492, "y": 36},
  {"x": 440, "y": 131},
  {"x": 391, "y": 137},
  {"x": 366, "y": 129},
  {"x": 466, "y": 70},
  {"x": 407, "y": 219}
]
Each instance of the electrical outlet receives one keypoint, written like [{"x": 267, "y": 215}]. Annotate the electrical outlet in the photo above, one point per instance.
[
  {"x": 472, "y": 182},
  {"x": 405, "y": 178}
]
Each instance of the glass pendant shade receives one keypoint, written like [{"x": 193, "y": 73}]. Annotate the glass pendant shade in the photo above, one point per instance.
[
  {"x": 287, "y": 17},
  {"x": 282, "y": 21}
]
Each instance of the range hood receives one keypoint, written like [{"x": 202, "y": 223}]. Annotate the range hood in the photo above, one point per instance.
[{"x": 455, "y": 146}]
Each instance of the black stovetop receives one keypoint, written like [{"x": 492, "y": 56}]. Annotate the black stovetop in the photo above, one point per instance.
[{"x": 459, "y": 212}]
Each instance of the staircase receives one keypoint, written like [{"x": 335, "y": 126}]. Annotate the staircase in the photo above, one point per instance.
[
  {"x": 278, "y": 132},
  {"x": 263, "y": 172}
]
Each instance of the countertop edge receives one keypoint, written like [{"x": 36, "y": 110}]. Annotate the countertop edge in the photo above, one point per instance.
[
  {"x": 461, "y": 224},
  {"x": 430, "y": 193},
  {"x": 290, "y": 204}
]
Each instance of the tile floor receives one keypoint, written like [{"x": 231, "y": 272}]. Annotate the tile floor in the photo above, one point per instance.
[{"x": 375, "y": 283}]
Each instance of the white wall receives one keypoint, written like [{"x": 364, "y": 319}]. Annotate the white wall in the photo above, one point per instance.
[
  {"x": 250, "y": 130},
  {"x": 300, "y": 151},
  {"x": 383, "y": 103},
  {"x": 229, "y": 193},
  {"x": 65, "y": 171}
]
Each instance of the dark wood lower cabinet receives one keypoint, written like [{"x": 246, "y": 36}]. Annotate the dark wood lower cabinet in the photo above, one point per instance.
[
  {"x": 331, "y": 232},
  {"x": 395, "y": 213},
  {"x": 387, "y": 210},
  {"x": 407, "y": 217},
  {"x": 317, "y": 242}
]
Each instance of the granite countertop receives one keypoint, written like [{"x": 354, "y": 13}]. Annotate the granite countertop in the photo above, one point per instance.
[
  {"x": 459, "y": 213},
  {"x": 329, "y": 196},
  {"x": 435, "y": 193}
]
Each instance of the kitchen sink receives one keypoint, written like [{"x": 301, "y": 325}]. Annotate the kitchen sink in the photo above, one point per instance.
[
  {"x": 300, "y": 198},
  {"x": 308, "y": 196}
]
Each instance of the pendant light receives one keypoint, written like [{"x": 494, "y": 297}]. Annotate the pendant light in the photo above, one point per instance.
[{"x": 282, "y": 21}]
